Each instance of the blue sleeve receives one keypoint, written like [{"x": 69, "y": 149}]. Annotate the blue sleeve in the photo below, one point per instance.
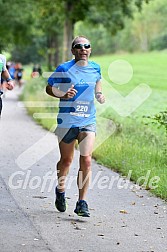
[
  {"x": 54, "y": 79},
  {"x": 99, "y": 73},
  {"x": 98, "y": 70}
]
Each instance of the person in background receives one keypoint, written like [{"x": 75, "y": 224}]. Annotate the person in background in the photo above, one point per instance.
[
  {"x": 36, "y": 71},
  {"x": 76, "y": 83},
  {"x": 18, "y": 73},
  {"x": 4, "y": 76},
  {"x": 11, "y": 69}
]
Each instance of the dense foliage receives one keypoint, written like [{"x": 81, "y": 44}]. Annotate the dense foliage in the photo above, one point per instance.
[{"x": 48, "y": 26}]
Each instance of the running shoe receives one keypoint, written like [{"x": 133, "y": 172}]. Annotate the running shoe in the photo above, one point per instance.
[
  {"x": 82, "y": 209},
  {"x": 60, "y": 202}
]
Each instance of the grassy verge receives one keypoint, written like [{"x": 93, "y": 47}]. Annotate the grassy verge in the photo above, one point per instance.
[{"x": 134, "y": 146}]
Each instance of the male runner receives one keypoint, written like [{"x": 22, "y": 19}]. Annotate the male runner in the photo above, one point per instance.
[{"x": 76, "y": 83}]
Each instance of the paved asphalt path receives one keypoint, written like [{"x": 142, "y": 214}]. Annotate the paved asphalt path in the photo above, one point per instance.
[{"x": 122, "y": 220}]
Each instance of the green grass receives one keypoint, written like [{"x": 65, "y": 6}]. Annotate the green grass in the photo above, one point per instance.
[{"x": 134, "y": 145}]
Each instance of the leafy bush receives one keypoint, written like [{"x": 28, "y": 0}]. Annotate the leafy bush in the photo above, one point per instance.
[
  {"x": 159, "y": 43},
  {"x": 160, "y": 120}
]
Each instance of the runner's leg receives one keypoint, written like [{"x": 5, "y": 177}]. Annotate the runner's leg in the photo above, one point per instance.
[
  {"x": 66, "y": 157},
  {"x": 86, "y": 142}
]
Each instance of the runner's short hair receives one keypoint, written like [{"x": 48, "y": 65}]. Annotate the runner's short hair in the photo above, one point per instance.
[{"x": 76, "y": 38}]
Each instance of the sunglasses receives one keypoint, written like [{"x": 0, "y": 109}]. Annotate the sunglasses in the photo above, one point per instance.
[{"x": 80, "y": 46}]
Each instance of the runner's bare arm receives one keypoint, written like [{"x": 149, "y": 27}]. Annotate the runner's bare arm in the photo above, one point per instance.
[
  {"x": 7, "y": 77},
  {"x": 55, "y": 92},
  {"x": 98, "y": 92}
]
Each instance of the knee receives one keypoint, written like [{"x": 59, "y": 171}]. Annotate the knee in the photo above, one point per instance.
[
  {"x": 86, "y": 161},
  {"x": 66, "y": 162}
]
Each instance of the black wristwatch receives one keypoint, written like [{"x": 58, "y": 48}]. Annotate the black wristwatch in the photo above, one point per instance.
[{"x": 97, "y": 93}]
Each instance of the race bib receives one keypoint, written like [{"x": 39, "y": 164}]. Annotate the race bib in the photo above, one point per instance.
[{"x": 81, "y": 108}]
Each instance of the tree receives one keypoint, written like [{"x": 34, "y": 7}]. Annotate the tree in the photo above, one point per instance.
[
  {"x": 50, "y": 20},
  {"x": 109, "y": 13},
  {"x": 15, "y": 23},
  {"x": 74, "y": 11},
  {"x": 147, "y": 30},
  {"x": 54, "y": 21},
  {"x": 61, "y": 16}
]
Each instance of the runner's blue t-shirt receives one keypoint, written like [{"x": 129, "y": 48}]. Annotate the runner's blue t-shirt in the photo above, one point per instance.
[{"x": 80, "y": 110}]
